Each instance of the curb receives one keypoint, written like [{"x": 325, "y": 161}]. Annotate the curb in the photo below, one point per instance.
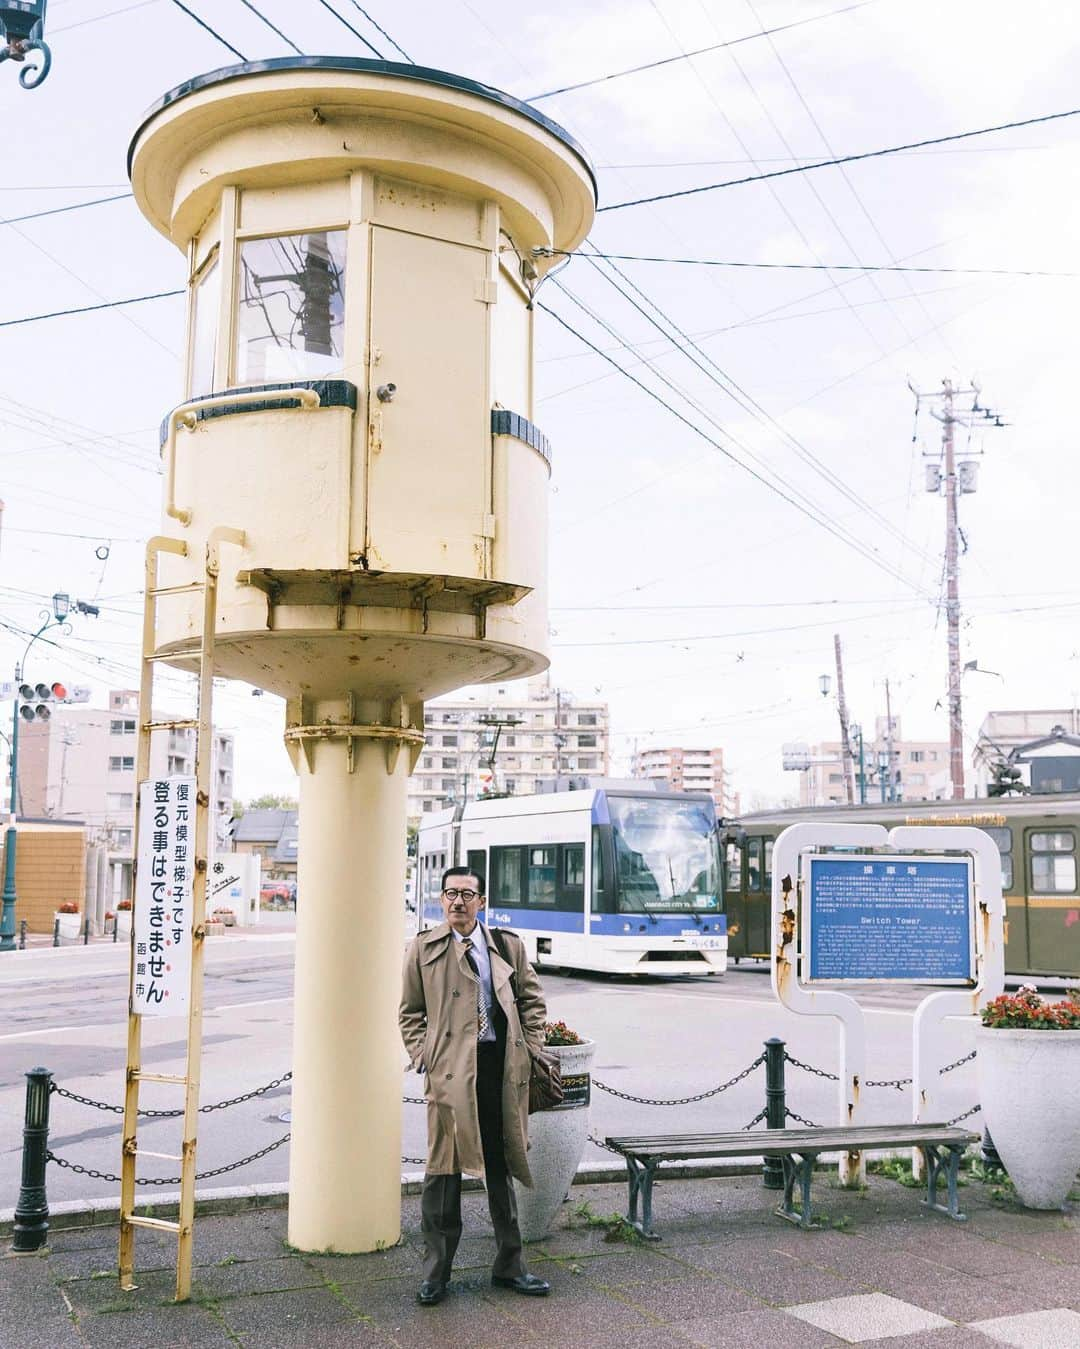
[{"x": 76, "y": 1213}]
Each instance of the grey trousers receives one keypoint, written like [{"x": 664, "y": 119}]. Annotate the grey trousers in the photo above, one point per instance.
[{"x": 440, "y": 1198}]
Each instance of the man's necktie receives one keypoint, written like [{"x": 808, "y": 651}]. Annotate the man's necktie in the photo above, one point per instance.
[{"x": 481, "y": 1004}]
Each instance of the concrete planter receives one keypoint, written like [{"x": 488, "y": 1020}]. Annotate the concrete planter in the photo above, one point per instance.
[
  {"x": 70, "y": 925},
  {"x": 123, "y": 923},
  {"x": 556, "y": 1141},
  {"x": 1029, "y": 1086}
]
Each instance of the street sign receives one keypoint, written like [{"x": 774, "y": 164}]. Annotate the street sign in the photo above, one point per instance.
[
  {"x": 898, "y": 919},
  {"x": 163, "y": 897}
]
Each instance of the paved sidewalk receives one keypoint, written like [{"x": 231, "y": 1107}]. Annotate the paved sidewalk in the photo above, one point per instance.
[{"x": 727, "y": 1273}]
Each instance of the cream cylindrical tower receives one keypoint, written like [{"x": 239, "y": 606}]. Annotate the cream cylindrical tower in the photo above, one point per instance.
[{"x": 361, "y": 243}]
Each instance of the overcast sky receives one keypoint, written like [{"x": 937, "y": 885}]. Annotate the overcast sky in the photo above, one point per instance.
[{"x": 700, "y": 600}]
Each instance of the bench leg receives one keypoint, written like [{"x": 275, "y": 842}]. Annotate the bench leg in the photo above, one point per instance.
[
  {"x": 949, "y": 1163},
  {"x": 640, "y": 1176},
  {"x": 799, "y": 1169}
]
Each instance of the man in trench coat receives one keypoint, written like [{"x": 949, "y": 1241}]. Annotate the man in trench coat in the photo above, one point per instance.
[{"x": 472, "y": 1013}]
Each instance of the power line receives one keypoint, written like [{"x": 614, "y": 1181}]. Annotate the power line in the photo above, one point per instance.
[
  {"x": 351, "y": 29},
  {"x": 260, "y": 15},
  {"x": 806, "y": 266},
  {"x": 141, "y": 4},
  {"x": 59, "y": 210},
  {"x": 90, "y": 308},
  {"x": 843, "y": 159},
  {"x": 869, "y": 555},
  {"x": 213, "y": 32},
  {"x": 699, "y": 51},
  {"x": 383, "y": 31}
]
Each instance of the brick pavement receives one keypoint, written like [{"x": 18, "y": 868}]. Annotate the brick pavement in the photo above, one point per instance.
[{"x": 728, "y": 1273}]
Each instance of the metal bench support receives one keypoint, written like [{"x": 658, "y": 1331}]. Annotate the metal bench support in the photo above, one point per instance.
[
  {"x": 798, "y": 1167},
  {"x": 641, "y": 1175},
  {"x": 943, "y": 1159}
]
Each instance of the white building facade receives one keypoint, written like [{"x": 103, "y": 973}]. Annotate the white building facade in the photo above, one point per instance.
[{"x": 687, "y": 770}]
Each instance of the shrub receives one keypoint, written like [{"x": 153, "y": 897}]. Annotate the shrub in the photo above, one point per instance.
[
  {"x": 68, "y": 906},
  {"x": 1027, "y": 1010},
  {"x": 559, "y": 1033},
  {"x": 124, "y": 904}
]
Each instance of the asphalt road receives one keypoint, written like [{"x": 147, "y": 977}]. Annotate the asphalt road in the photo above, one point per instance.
[{"x": 65, "y": 1010}]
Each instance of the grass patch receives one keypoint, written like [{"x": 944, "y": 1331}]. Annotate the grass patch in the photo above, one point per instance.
[
  {"x": 895, "y": 1168},
  {"x": 615, "y": 1225}
]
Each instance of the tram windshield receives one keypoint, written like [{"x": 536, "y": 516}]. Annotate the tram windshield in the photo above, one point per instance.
[{"x": 665, "y": 855}]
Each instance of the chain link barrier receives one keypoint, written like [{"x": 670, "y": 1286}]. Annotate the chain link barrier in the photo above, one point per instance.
[
  {"x": 966, "y": 1115},
  {"x": 898, "y": 1082},
  {"x": 166, "y": 1180},
  {"x": 809, "y": 1068},
  {"x": 681, "y": 1100},
  {"x": 170, "y": 1114},
  {"x": 761, "y": 1114},
  {"x": 607, "y": 1147},
  {"x": 959, "y": 1063},
  {"x": 801, "y": 1119}
]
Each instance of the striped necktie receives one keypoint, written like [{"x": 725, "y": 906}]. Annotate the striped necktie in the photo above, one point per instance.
[{"x": 481, "y": 1002}]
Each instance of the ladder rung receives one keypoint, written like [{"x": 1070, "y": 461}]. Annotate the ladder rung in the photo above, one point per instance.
[
  {"x": 162, "y": 1156},
  {"x": 176, "y": 725},
  {"x": 161, "y": 1224},
  {"x": 169, "y": 1078},
  {"x": 186, "y": 589}
]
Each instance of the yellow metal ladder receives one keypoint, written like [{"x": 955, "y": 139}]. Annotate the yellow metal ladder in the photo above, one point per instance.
[{"x": 189, "y": 1081}]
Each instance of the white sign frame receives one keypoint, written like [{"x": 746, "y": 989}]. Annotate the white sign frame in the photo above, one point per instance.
[{"x": 163, "y": 917}]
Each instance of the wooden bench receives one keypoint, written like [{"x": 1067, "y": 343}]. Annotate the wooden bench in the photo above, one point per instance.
[{"x": 942, "y": 1146}]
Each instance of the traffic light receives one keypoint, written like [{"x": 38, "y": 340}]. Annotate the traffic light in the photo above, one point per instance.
[{"x": 34, "y": 700}]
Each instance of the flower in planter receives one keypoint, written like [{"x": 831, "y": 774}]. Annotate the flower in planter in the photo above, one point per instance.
[
  {"x": 109, "y": 915},
  {"x": 559, "y": 1033},
  {"x": 68, "y": 906},
  {"x": 125, "y": 905},
  {"x": 1027, "y": 1010}
]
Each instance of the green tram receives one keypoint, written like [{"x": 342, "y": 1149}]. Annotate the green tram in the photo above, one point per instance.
[{"x": 1037, "y": 837}]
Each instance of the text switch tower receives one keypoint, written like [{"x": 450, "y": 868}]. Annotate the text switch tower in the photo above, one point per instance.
[{"x": 360, "y": 240}]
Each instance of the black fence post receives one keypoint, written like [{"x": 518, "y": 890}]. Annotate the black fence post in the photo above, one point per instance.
[
  {"x": 772, "y": 1173},
  {"x": 56, "y": 932},
  {"x": 22, "y": 934},
  {"x": 86, "y": 932},
  {"x": 32, "y": 1208},
  {"x": 115, "y": 928}
]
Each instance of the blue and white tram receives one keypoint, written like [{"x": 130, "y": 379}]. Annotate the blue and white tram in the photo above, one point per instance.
[{"x": 621, "y": 881}]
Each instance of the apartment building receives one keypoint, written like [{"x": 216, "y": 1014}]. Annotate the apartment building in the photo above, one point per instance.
[
  {"x": 919, "y": 769},
  {"x": 80, "y": 764},
  {"x": 508, "y": 739},
  {"x": 687, "y": 770}
]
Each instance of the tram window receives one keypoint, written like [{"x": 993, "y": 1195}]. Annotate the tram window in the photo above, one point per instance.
[
  {"x": 753, "y": 849},
  {"x": 571, "y": 875},
  {"x": 505, "y": 885},
  {"x": 733, "y": 866},
  {"x": 541, "y": 877},
  {"x": 476, "y": 861},
  {"x": 768, "y": 863},
  {"x": 1053, "y": 862},
  {"x": 597, "y": 879},
  {"x": 1003, "y": 838}
]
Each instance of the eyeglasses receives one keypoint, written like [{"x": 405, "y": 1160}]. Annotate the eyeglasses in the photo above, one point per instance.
[{"x": 467, "y": 895}]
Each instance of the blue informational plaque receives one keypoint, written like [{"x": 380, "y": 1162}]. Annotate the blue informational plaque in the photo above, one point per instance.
[{"x": 897, "y": 918}]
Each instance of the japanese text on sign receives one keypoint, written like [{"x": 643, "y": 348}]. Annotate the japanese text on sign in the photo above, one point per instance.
[
  {"x": 161, "y": 952},
  {"x": 900, "y": 919}
]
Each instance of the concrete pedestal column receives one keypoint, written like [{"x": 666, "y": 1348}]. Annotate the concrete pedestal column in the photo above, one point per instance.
[{"x": 345, "y": 1164}]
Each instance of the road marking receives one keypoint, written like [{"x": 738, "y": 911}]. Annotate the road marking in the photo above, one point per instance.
[
  {"x": 119, "y": 1023},
  {"x": 765, "y": 1002}
]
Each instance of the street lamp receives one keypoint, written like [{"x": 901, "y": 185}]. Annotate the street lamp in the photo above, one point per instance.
[
  {"x": 824, "y": 684},
  {"x": 21, "y": 25},
  {"x": 61, "y": 607}
]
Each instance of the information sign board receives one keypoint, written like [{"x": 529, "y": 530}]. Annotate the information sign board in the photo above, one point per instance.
[
  {"x": 163, "y": 897},
  {"x": 898, "y": 919}
]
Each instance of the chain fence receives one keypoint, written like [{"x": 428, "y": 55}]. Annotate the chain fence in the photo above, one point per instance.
[
  {"x": 166, "y": 1180},
  {"x": 170, "y": 1114},
  {"x": 680, "y": 1100}
]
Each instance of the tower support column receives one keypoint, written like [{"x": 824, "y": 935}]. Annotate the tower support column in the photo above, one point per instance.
[{"x": 353, "y": 759}]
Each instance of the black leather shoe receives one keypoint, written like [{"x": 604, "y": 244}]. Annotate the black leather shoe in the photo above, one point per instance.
[
  {"x": 528, "y": 1284},
  {"x": 430, "y": 1294}
]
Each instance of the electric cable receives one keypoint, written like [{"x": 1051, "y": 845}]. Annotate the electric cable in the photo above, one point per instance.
[
  {"x": 699, "y": 51},
  {"x": 260, "y": 15},
  {"x": 90, "y": 308},
  {"x": 351, "y": 29},
  {"x": 213, "y": 32},
  {"x": 807, "y": 266},
  {"x": 867, "y": 555},
  {"x": 843, "y": 159},
  {"x": 396, "y": 46},
  {"x": 83, "y": 23},
  {"x": 60, "y": 210}
]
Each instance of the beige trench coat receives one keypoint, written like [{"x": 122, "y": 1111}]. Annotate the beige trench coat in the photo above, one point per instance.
[{"x": 438, "y": 1019}]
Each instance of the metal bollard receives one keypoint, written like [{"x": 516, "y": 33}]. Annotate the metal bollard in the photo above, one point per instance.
[
  {"x": 115, "y": 928},
  {"x": 991, "y": 1160},
  {"x": 22, "y": 934},
  {"x": 86, "y": 933},
  {"x": 32, "y": 1209},
  {"x": 772, "y": 1173},
  {"x": 56, "y": 932}
]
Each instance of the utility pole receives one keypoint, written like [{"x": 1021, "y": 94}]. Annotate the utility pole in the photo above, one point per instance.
[
  {"x": 841, "y": 707},
  {"x": 889, "y": 751},
  {"x": 560, "y": 739},
  {"x": 955, "y": 480}
]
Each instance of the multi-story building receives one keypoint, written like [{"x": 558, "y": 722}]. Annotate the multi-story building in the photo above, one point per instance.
[
  {"x": 546, "y": 738},
  {"x": 80, "y": 764},
  {"x": 1003, "y": 732},
  {"x": 688, "y": 770},
  {"x": 918, "y": 771}
]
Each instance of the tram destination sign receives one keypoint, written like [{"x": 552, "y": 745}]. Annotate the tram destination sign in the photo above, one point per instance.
[{"x": 895, "y": 918}]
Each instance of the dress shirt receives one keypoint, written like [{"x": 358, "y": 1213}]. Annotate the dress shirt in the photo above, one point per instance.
[{"x": 478, "y": 941}]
